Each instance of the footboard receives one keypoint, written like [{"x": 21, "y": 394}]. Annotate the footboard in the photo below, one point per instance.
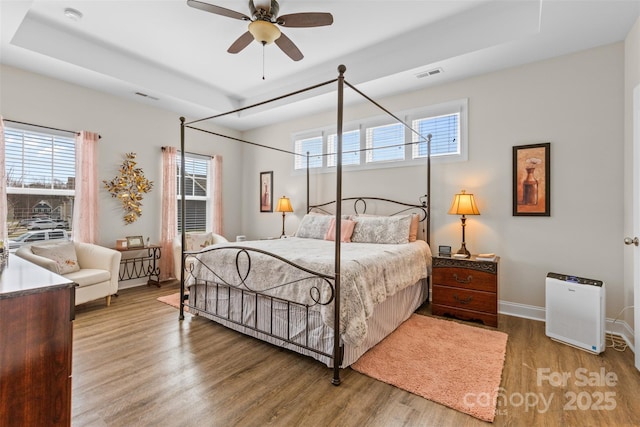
[{"x": 264, "y": 295}]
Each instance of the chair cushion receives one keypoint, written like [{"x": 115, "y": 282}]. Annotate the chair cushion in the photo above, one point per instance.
[
  {"x": 89, "y": 276},
  {"x": 64, "y": 254}
]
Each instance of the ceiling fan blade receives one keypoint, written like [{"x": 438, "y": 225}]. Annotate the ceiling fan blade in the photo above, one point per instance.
[
  {"x": 242, "y": 42},
  {"x": 289, "y": 47},
  {"x": 308, "y": 19},
  {"x": 218, "y": 10}
]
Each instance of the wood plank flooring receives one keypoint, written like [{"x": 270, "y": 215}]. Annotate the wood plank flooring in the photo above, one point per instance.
[{"x": 136, "y": 364}]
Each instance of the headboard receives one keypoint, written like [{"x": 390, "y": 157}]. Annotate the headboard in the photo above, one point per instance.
[{"x": 382, "y": 206}]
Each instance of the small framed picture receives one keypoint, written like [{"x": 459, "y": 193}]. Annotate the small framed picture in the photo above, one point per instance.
[
  {"x": 134, "y": 242},
  {"x": 444, "y": 250},
  {"x": 266, "y": 191},
  {"x": 531, "y": 180}
]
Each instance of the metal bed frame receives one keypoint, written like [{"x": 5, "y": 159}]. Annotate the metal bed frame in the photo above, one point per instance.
[{"x": 331, "y": 281}]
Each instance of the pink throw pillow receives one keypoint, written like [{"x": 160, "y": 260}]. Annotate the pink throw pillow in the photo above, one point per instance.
[
  {"x": 346, "y": 230},
  {"x": 413, "y": 228}
]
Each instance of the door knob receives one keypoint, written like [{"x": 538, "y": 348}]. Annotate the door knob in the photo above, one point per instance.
[{"x": 630, "y": 241}]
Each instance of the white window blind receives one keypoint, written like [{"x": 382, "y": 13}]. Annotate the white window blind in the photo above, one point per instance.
[
  {"x": 39, "y": 160},
  {"x": 385, "y": 143},
  {"x": 197, "y": 192},
  {"x": 41, "y": 174},
  {"x": 313, "y": 146},
  {"x": 388, "y": 144},
  {"x": 350, "y": 148},
  {"x": 445, "y": 135}
]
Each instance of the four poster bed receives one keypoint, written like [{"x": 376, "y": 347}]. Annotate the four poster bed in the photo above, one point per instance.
[{"x": 297, "y": 292}]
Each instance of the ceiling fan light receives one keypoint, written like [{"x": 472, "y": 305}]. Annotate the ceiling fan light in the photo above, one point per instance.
[{"x": 264, "y": 32}]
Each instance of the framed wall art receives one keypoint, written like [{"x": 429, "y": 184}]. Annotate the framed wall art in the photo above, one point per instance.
[
  {"x": 532, "y": 180},
  {"x": 134, "y": 242},
  {"x": 266, "y": 191}
]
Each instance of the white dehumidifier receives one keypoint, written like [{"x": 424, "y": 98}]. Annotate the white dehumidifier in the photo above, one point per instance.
[{"x": 575, "y": 311}]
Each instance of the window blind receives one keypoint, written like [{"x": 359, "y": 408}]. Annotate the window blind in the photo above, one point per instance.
[
  {"x": 385, "y": 143},
  {"x": 350, "y": 148},
  {"x": 445, "y": 135},
  {"x": 39, "y": 160},
  {"x": 313, "y": 146},
  {"x": 196, "y": 192}
]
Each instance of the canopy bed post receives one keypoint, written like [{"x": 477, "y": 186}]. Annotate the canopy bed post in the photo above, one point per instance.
[
  {"x": 428, "y": 234},
  {"x": 337, "y": 359},
  {"x": 307, "y": 182},
  {"x": 182, "y": 220}
]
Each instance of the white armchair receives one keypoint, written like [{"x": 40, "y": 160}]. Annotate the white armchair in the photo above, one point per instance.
[
  {"x": 97, "y": 276},
  {"x": 195, "y": 242}
]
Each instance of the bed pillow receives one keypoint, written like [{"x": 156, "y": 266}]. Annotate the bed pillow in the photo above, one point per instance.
[
  {"x": 314, "y": 226},
  {"x": 198, "y": 241},
  {"x": 346, "y": 230},
  {"x": 413, "y": 228},
  {"x": 381, "y": 229},
  {"x": 64, "y": 254}
]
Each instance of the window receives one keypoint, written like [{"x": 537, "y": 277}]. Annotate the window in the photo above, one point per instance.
[
  {"x": 379, "y": 142},
  {"x": 197, "y": 192},
  {"x": 385, "y": 143},
  {"x": 41, "y": 173},
  {"x": 313, "y": 146},
  {"x": 350, "y": 148},
  {"x": 445, "y": 134}
]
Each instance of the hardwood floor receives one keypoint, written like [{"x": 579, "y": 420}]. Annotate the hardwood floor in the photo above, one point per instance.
[{"x": 136, "y": 364}]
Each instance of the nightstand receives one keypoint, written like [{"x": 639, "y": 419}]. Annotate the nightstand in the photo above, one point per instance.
[{"x": 466, "y": 289}]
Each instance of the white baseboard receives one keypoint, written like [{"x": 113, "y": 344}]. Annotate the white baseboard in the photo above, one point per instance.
[
  {"x": 538, "y": 313},
  {"x": 126, "y": 284}
]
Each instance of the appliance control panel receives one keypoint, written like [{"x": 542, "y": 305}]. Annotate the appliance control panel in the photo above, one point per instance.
[{"x": 575, "y": 279}]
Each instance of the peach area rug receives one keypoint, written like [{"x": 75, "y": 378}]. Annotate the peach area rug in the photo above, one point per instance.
[
  {"x": 173, "y": 300},
  {"x": 450, "y": 363}
]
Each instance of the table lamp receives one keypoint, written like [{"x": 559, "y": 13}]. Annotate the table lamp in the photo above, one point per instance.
[
  {"x": 463, "y": 204},
  {"x": 284, "y": 206}
]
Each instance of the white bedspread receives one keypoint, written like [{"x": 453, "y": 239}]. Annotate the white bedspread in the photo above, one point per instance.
[{"x": 369, "y": 273}]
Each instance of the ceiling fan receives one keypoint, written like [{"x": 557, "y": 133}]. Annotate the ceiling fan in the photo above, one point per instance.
[{"x": 263, "y": 27}]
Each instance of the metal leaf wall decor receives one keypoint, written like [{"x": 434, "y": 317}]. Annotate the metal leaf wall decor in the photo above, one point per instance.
[{"x": 129, "y": 186}]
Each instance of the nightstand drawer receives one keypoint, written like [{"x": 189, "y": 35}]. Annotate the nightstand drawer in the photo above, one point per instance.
[
  {"x": 466, "y": 278},
  {"x": 464, "y": 298},
  {"x": 489, "y": 319}
]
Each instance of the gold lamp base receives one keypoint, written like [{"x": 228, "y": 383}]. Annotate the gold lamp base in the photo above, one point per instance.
[{"x": 463, "y": 251}]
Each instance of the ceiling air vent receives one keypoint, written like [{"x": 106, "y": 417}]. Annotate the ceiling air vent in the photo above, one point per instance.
[
  {"x": 144, "y": 95},
  {"x": 429, "y": 73}
]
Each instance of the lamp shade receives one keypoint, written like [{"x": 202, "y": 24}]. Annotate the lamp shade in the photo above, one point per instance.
[
  {"x": 264, "y": 32},
  {"x": 463, "y": 204},
  {"x": 284, "y": 205}
]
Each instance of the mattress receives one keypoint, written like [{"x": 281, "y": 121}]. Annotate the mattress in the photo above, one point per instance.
[{"x": 370, "y": 274}]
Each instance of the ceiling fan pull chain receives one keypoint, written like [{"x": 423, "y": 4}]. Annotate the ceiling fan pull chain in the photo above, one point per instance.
[{"x": 263, "y": 45}]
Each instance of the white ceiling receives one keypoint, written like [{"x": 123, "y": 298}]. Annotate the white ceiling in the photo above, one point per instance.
[{"x": 177, "y": 54}]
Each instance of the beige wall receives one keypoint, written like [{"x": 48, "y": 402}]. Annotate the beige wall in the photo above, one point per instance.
[
  {"x": 125, "y": 126},
  {"x": 575, "y": 102}
]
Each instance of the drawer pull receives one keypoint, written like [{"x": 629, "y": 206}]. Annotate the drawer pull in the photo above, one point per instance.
[
  {"x": 467, "y": 300},
  {"x": 467, "y": 280}
]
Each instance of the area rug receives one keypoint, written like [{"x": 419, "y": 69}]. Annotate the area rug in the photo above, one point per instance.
[
  {"x": 450, "y": 363},
  {"x": 173, "y": 300}
]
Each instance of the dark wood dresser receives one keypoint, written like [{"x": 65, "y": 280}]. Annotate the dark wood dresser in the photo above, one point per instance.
[
  {"x": 36, "y": 331},
  {"x": 466, "y": 289}
]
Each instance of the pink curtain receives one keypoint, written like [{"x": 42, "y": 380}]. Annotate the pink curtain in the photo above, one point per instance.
[
  {"x": 85, "y": 212},
  {"x": 169, "y": 211},
  {"x": 3, "y": 190},
  {"x": 216, "y": 194}
]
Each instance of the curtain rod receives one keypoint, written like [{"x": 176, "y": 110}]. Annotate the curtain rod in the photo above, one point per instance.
[
  {"x": 191, "y": 152},
  {"x": 46, "y": 127}
]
